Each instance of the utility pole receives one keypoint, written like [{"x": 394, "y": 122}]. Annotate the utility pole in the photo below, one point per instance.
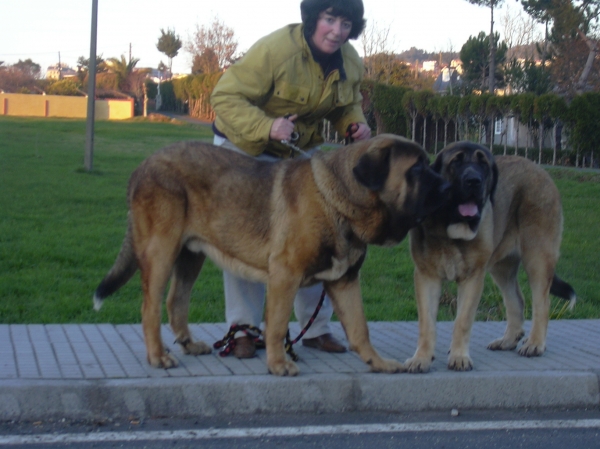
[{"x": 91, "y": 104}]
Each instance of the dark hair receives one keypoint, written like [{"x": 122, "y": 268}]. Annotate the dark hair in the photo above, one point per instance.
[{"x": 352, "y": 10}]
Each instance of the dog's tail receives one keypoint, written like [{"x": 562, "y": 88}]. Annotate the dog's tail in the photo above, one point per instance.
[
  {"x": 121, "y": 272},
  {"x": 563, "y": 290}
]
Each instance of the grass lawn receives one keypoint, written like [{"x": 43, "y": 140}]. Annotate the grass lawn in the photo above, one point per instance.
[{"x": 61, "y": 228}]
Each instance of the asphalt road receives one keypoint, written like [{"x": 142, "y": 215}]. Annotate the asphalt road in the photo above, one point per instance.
[{"x": 532, "y": 429}]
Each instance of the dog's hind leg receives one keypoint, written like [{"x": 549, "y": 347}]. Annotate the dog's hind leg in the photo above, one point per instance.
[
  {"x": 540, "y": 272},
  {"x": 156, "y": 262},
  {"x": 505, "y": 274},
  {"x": 185, "y": 272},
  {"x": 347, "y": 302}
]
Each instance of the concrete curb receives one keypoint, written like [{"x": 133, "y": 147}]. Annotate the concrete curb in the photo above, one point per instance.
[{"x": 322, "y": 393}]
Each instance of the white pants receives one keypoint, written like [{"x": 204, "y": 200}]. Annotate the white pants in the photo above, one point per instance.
[{"x": 245, "y": 300}]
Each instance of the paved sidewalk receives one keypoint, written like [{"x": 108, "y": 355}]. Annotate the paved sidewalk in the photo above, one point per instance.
[{"x": 100, "y": 371}]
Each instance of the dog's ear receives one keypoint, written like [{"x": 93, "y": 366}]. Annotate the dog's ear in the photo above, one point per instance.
[
  {"x": 373, "y": 169},
  {"x": 438, "y": 163}
]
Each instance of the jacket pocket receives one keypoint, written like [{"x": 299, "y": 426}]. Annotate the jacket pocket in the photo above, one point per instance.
[{"x": 292, "y": 93}]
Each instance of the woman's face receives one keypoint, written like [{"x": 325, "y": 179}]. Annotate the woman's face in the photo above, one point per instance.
[{"x": 331, "y": 32}]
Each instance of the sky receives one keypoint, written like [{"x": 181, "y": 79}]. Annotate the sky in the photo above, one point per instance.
[{"x": 43, "y": 29}]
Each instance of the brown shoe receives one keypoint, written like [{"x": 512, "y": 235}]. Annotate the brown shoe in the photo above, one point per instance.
[
  {"x": 245, "y": 348},
  {"x": 325, "y": 342}
]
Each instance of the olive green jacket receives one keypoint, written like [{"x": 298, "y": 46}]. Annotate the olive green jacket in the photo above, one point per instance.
[{"x": 279, "y": 76}]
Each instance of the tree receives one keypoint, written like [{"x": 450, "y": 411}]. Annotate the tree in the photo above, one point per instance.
[
  {"x": 409, "y": 103},
  {"x": 473, "y": 55},
  {"x": 434, "y": 106},
  {"x": 123, "y": 70},
  {"x": 493, "y": 109},
  {"x": 386, "y": 68},
  {"x": 83, "y": 66},
  {"x": 464, "y": 112},
  {"x": 20, "y": 77},
  {"x": 572, "y": 21},
  {"x": 558, "y": 113},
  {"x": 207, "y": 62},
  {"x": 528, "y": 76},
  {"x": 453, "y": 105},
  {"x": 29, "y": 68},
  {"x": 585, "y": 132},
  {"x": 478, "y": 109},
  {"x": 217, "y": 38},
  {"x": 518, "y": 30},
  {"x": 492, "y": 42},
  {"x": 169, "y": 44},
  {"x": 526, "y": 102},
  {"x": 515, "y": 107},
  {"x": 503, "y": 105},
  {"x": 65, "y": 87},
  {"x": 375, "y": 42},
  {"x": 422, "y": 102}
]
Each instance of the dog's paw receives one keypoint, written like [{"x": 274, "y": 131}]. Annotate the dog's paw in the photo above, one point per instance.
[
  {"x": 532, "y": 349},
  {"x": 416, "y": 365},
  {"x": 164, "y": 361},
  {"x": 196, "y": 348},
  {"x": 460, "y": 363},
  {"x": 287, "y": 368},
  {"x": 506, "y": 343},
  {"x": 388, "y": 366}
]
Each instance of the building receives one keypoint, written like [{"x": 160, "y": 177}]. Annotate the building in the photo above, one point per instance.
[{"x": 58, "y": 72}]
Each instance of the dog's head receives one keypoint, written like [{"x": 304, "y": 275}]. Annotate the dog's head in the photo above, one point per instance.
[
  {"x": 397, "y": 170},
  {"x": 471, "y": 170}
]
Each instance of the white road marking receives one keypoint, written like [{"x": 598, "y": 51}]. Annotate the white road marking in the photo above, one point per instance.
[{"x": 271, "y": 432}]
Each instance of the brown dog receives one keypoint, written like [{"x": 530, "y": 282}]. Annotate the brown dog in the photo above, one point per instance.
[
  {"x": 502, "y": 212},
  {"x": 287, "y": 224}
]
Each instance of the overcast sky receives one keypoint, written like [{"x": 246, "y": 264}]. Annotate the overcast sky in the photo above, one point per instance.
[{"x": 40, "y": 29}]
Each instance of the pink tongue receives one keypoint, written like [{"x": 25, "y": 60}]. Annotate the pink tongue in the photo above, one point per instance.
[{"x": 468, "y": 210}]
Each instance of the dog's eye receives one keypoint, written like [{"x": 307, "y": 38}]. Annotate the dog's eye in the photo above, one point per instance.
[
  {"x": 417, "y": 169},
  {"x": 459, "y": 159},
  {"x": 414, "y": 172}
]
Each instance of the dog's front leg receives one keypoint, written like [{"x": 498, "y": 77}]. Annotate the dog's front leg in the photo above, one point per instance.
[
  {"x": 469, "y": 295},
  {"x": 427, "y": 290},
  {"x": 347, "y": 302},
  {"x": 281, "y": 291}
]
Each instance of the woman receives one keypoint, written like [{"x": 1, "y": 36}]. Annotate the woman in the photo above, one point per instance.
[{"x": 277, "y": 94}]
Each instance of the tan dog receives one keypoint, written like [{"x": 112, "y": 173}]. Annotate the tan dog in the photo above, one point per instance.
[
  {"x": 501, "y": 213},
  {"x": 287, "y": 224}
]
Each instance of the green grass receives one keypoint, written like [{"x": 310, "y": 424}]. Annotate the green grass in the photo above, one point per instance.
[{"x": 61, "y": 228}]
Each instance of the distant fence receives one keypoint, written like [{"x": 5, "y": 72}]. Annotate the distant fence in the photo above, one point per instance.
[{"x": 26, "y": 105}]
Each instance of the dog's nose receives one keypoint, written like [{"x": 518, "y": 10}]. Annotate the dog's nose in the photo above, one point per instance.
[{"x": 472, "y": 180}]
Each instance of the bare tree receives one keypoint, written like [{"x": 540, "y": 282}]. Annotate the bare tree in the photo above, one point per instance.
[
  {"x": 375, "y": 40},
  {"x": 217, "y": 39},
  {"x": 518, "y": 28}
]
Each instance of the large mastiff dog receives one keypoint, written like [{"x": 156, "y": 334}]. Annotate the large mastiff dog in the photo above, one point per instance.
[
  {"x": 287, "y": 224},
  {"x": 501, "y": 213}
]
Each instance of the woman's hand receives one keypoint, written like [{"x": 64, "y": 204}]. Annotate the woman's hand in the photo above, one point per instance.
[
  {"x": 362, "y": 133},
  {"x": 282, "y": 128}
]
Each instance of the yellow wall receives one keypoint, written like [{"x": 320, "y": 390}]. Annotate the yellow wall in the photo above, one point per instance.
[{"x": 63, "y": 106}]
